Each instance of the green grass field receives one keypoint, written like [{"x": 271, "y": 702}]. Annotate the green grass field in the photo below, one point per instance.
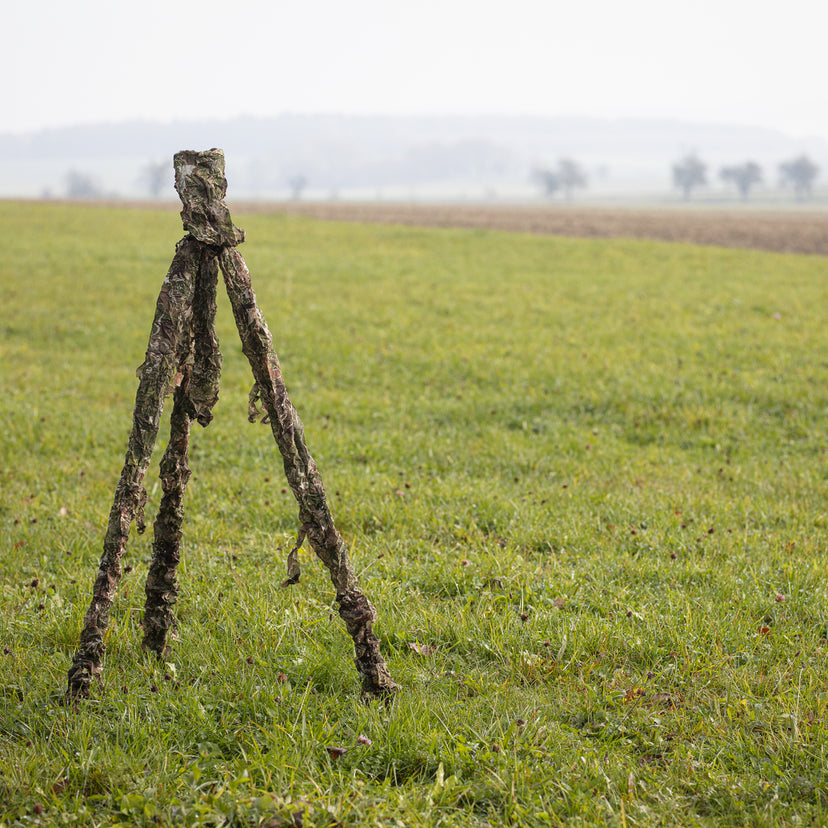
[{"x": 583, "y": 482}]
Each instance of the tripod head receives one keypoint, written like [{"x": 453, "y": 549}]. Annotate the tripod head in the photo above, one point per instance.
[{"x": 201, "y": 186}]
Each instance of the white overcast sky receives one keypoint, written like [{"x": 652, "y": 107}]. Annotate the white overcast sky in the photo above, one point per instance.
[{"x": 760, "y": 62}]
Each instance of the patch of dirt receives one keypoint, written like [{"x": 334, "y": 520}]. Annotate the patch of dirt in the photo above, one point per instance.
[
  {"x": 797, "y": 229},
  {"x": 783, "y": 231}
]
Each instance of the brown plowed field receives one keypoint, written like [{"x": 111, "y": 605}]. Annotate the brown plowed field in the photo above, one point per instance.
[{"x": 792, "y": 231}]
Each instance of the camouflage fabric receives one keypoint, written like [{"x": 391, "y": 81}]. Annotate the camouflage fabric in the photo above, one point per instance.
[{"x": 183, "y": 355}]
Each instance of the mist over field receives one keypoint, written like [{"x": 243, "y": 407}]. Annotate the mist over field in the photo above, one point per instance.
[{"x": 398, "y": 158}]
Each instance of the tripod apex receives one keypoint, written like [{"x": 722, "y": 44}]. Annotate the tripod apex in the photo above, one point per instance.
[{"x": 201, "y": 186}]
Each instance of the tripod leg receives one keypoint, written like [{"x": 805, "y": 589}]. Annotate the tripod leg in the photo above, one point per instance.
[
  {"x": 204, "y": 383},
  {"x": 304, "y": 479},
  {"x": 162, "y": 584},
  {"x": 194, "y": 398},
  {"x": 171, "y": 323}
]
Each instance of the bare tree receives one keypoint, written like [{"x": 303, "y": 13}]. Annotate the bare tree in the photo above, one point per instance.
[
  {"x": 81, "y": 185},
  {"x": 297, "y": 184},
  {"x": 156, "y": 177},
  {"x": 688, "y": 173},
  {"x": 567, "y": 176},
  {"x": 743, "y": 176},
  {"x": 800, "y": 173},
  {"x": 548, "y": 181},
  {"x": 571, "y": 175}
]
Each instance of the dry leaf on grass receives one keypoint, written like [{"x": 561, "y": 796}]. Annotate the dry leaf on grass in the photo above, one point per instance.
[{"x": 422, "y": 649}]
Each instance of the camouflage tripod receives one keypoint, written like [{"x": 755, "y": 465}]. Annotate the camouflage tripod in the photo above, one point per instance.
[{"x": 183, "y": 354}]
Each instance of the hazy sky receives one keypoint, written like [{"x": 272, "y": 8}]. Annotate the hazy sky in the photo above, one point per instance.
[{"x": 735, "y": 61}]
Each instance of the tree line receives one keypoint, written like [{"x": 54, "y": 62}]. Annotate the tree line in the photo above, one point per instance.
[
  {"x": 799, "y": 174},
  {"x": 690, "y": 173}
]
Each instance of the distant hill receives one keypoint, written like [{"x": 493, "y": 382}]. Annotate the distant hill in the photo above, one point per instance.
[{"x": 369, "y": 157}]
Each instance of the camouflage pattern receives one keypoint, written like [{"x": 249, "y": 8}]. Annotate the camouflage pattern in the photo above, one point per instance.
[
  {"x": 183, "y": 354},
  {"x": 303, "y": 477},
  {"x": 201, "y": 186},
  {"x": 170, "y": 330},
  {"x": 162, "y": 583},
  {"x": 204, "y": 385}
]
